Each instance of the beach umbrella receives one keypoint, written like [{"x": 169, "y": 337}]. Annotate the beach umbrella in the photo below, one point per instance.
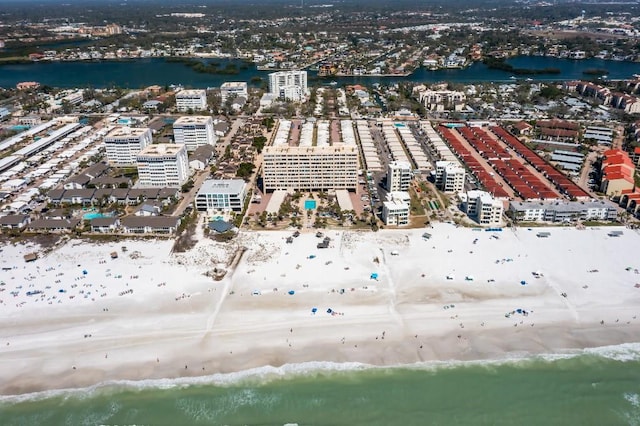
[
  {"x": 84, "y": 272},
  {"x": 314, "y": 310},
  {"x": 523, "y": 282},
  {"x": 291, "y": 292}
]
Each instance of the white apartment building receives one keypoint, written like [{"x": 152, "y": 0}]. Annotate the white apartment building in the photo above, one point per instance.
[
  {"x": 562, "y": 211},
  {"x": 399, "y": 176},
  {"x": 290, "y": 85},
  {"x": 482, "y": 207},
  {"x": 233, "y": 89},
  {"x": 441, "y": 100},
  {"x": 195, "y": 100},
  {"x": 162, "y": 166},
  {"x": 395, "y": 210},
  {"x": 194, "y": 131},
  {"x": 221, "y": 195},
  {"x": 312, "y": 168},
  {"x": 74, "y": 97},
  {"x": 124, "y": 143},
  {"x": 449, "y": 176}
]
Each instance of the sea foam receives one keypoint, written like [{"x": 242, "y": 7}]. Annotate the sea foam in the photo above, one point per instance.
[{"x": 625, "y": 352}]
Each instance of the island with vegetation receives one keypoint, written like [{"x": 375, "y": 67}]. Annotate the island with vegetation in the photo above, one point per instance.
[
  {"x": 206, "y": 68},
  {"x": 500, "y": 64}
]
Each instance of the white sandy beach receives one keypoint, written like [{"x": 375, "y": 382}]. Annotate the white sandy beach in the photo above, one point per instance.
[{"x": 153, "y": 314}]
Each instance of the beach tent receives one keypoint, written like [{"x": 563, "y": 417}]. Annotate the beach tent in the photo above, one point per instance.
[
  {"x": 374, "y": 276},
  {"x": 329, "y": 310},
  {"x": 314, "y": 310},
  {"x": 291, "y": 292},
  {"x": 523, "y": 282},
  {"x": 84, "y": 272}
]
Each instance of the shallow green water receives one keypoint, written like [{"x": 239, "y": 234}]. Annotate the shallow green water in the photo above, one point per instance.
[{"x": 588, "y": 389}]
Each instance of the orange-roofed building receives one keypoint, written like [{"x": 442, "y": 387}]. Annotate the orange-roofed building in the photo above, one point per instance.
[{"x": 617, "y": 173}]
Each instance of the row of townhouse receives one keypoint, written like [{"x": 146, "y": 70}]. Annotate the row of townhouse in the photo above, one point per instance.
[
  {"x": 103, "y": 196},
  {"x": 628, "y": 103},
  {"x": 124, "y": 225}
]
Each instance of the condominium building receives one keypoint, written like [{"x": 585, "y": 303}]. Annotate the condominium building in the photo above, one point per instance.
[
  {"x": 233, "y": 89},
  {"x": 194, "y": 100},
  {"x": 617, "y": 172},
  {"x": 162, "y": 165},
  {"x": 450, "y": 176},
  {"x": 562, "y": 211},
  {"x": 290, "y": 85},
  {"x": 194, "y": 131},
  {"x": 221, "y": 195},
  {"x": 124, "y": 143},
  {"x": 395, "y": 211},
  {"x": 441, "y": 100},
  {"x": 399, "y": 176},
  {"x": 482, "y": 207},
  {"x": 310, "y": 168}
]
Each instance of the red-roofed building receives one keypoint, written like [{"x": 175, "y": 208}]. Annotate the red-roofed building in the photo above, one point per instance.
[{"x": 522, "y": 128}]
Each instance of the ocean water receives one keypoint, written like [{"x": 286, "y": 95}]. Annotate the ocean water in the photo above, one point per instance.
[{"x": 594, "y": 387}]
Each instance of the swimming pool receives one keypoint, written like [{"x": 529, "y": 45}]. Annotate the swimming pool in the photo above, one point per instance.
[
  {"x": 399, "y": 125},
  {"x": 310, "y": 204},
  {"x": 95, "y": 215}
]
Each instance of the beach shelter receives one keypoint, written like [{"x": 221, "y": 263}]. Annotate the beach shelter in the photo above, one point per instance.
[
  {"x": 523, "y": 282},
  {"x": 374, "y": 276},
  {"x": 314, "y": 310},
  {"x": 291, "y": 292},
  {"x": 84, "y": 272}
]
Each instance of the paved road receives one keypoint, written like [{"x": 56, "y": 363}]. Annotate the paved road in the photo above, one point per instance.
[
  {"x": 586, "y": 168},
  {"x": 222, "y": 143},
  {"x": 189, "y": 197},
  {"x": 201, "y": 176}
]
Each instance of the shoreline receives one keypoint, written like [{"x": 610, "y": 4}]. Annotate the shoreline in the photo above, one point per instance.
[
  {"x": 176, "y": 317},
  {"x": 264, "y": 374}
]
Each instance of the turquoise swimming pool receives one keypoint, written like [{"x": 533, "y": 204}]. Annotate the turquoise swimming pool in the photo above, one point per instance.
[
  {"x": 95, "y": 215},
  {"x": 310, "y": 204}
]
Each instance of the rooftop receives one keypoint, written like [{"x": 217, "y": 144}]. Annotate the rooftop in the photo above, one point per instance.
[
  {"x": 286, "y": 149},
  {"x": 190, "y": 92},
  {"x": 126, "y": 132},
  {"x": 222, "y": 186},
  {"x": 162, "y": 149},
  {"x": 193, "y": 119}
]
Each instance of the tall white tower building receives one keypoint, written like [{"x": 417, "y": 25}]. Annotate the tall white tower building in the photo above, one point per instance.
[{"x": 194, "y": 131}]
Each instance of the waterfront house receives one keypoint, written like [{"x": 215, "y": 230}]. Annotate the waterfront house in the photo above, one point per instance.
[
  {"x": 105, "y": 224},
  {"x": 150, "y": 225},
  {"x": 14, "y": 221},
  {"x": 53, "y": 225}
]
